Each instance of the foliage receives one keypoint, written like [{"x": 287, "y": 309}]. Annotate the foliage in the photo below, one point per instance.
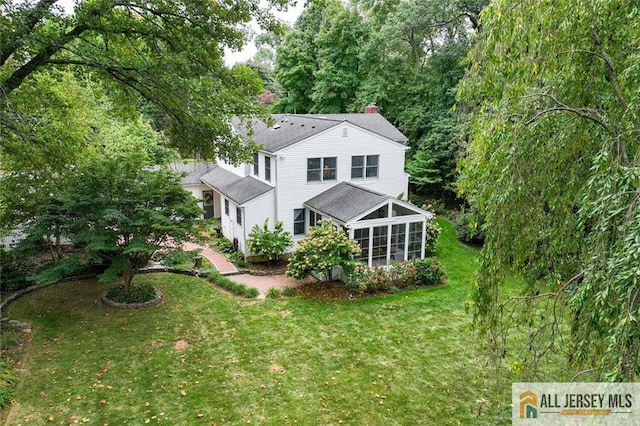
[
  {"x": 271, "y": 244},
  {"x": 67, "y": 266},
  {"x": 432, "y": 232},
  {"x": 296, "y": 60},
  {"x": 552, "y": 163},
  {"x": 322, "y": 250},
  {"x": 404, "y": 56},
  {"x": 237, "y": 258},
  {"x": 470, "y": 227},
  {"x": 235, "y": 288},
  {"x": 398, "y": 275},
  {"x": 179, "y": 256},
  {"x": 429, "y": 272},
  {"x": 167, "y": 54},
  {"x": 263, "y": 343},
  {"x": 288, "y": 292},
  {"x": 137, "y": 293},
  {"x": 274, "y": 293},
  {"x": 13, "y": 272},
  {"x": 114, "y": 208}
]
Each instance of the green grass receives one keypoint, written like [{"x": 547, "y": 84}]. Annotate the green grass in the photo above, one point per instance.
[{"x": 203, "y": 357}]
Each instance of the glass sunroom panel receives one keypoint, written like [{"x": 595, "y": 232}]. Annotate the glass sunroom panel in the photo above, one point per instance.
[
  {"x": 415, "y": 240},
  {"x": 379, "y": 246},
  {"x": 398, "y": 237},
  {"x": 362, "y": 237}
]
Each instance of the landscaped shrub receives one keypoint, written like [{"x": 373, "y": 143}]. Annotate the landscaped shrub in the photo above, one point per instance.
[
  {"x": 274, "y": 293},
  {"x": 12, "y": 272},
  {"x": 377, "y": 279},
  {"x": 225, "y": 246},
  {"x": 237, "y": 258},
  {"x": 179, "y": 257},
  {"x": 288, "y": 292},
  {"x": 402, "y": 274},
  {"x": 324, "y": 249},
  {"x": 234, "y": 287},
  {"x": 270, "y": 244},
  {"x": 431, "y": 236},
  {"x": 429, "y": 272},
  {"x": 470, "y": 227},
  {"x": 138, "y": 293}
]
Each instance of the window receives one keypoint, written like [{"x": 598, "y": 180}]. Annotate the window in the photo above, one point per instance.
[
  {"x": 314, "y": 218},
  {"x": 379, "y": 213},
  {"x": 321, "y": 169},
  {"x": 379, "y": 246},
  {"x": 364, "y": 166},
  {"x": 298, "y": 222},
  {"x": 256, "y": 164},
  {"x": 362, "y": 237},
  {"x": 226, "y": 207},
  {"x": 267, "y": 168},
  {"x": 398, "y": 235},
  {"x": 238, "y": 216},
  {"x": 415, "y": 240}
]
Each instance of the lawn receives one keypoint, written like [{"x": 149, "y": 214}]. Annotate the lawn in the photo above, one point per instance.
[{"x": 206, "y": 357}]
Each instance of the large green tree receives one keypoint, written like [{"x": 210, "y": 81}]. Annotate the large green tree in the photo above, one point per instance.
[
  {"x": 297, "y": 60},
  {"x": 84, "y": 119},
  {"x": 168, "y": 53},
  {"x": 115, "y": 208},
  {"x": 553, "y": 163}
]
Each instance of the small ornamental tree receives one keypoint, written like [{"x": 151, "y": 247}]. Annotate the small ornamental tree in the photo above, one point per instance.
[
  {"x": 116, "y": 210},
  {"x": 271, "y": 244},
  {"x": 321, "y": 251}
]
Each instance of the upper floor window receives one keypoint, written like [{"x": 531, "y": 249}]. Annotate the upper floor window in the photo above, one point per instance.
[
  {"x": 364, "y": 166},
  {"x": 256, "y": 164},
  {"x": 298, "y": 221},
  {"x": 238, "y": 216},
  {"x": 267, "y": 168},
  {"x": 321, "y": 169}
]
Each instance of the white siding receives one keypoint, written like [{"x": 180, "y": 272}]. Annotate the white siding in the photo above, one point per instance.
[
  {"x": 293, "y": 188},
  {"x": 255, "y": 212},
  {"x": 196, "y": 191},
  {"x": 240, "y": 170}
]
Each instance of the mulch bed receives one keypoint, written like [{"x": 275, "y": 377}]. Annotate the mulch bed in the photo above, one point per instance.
[{"x": 334, "y": 290}]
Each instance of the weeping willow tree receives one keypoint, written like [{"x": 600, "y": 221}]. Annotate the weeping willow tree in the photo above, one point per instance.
[{"x": 552, "y": 161}]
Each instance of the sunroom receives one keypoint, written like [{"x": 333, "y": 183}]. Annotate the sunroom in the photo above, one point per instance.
[{"x": 386, "y": 228}]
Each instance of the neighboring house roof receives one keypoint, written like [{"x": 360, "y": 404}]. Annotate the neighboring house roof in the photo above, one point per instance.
[
  {"x": 193, "y": 171},
  {"x": 291, "y": 128},
  {"x": 237, "y": 189},
  {"x": 346, "y": 201}
]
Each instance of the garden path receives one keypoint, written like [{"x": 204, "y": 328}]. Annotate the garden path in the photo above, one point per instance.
[{"x": 219, "y": 261}]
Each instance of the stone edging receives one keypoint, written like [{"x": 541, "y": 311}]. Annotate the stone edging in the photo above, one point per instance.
[{"x": 156, "y": 300}]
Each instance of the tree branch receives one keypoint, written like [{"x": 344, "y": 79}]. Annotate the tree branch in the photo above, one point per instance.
[
  {"x": 35, "y": 15},
  {"x": 40, "y": 59},
  {"x": 588, "y": 113}
]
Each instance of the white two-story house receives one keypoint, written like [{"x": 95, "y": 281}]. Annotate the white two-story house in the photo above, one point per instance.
[{"x": 346, "y": 168}]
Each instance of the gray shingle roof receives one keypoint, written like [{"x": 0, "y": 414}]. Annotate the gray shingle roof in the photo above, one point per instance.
[
  {"x": 291, "y": 128},
  {"x": 346, "y": 201},
  {"x": 193, "y": 171},
  {"x": 238, "y": 189}
]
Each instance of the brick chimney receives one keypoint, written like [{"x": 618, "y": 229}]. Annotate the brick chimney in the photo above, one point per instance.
[{"x": 371, "y": 109}]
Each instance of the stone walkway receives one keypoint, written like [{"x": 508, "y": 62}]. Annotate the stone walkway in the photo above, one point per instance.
[
  {"x": 262, "y": 282},
  {"x": 219, "y": 261}
]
